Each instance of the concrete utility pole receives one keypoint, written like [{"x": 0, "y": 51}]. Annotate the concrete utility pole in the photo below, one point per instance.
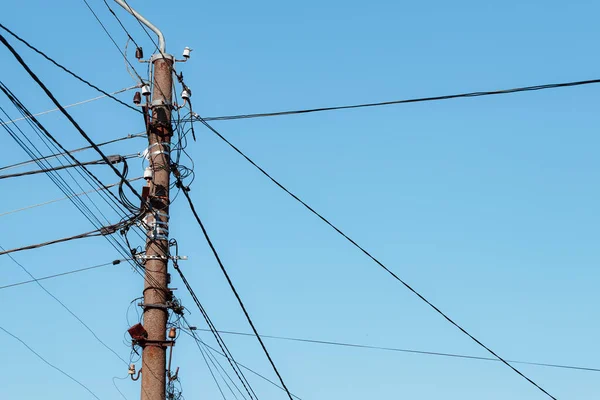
[{"x": 157, "y": 295}]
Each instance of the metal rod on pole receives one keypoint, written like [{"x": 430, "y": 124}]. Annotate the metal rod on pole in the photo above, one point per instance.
[{"x": 161, "y": 39}]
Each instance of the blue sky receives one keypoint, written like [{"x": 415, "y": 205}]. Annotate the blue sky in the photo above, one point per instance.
[{"x": 487, "y": 206}]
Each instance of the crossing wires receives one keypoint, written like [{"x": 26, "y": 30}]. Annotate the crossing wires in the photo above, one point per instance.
[{"x": 368, "y": 254}]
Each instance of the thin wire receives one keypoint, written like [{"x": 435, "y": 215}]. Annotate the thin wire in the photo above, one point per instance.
[
  {"x": 49, "y": 364},
  {"x": 116, "y": 387},
  {"x": 74, "y": 104},
  {"x": 23, "y": 163},
  {"x": 86, "y": 326},
  {"x": 67, "y": 70},
  {"x": 237, "y": 363},
  {"x": 65, "y": 113},
  {"x": 395, "y": 349},
  {"x": 406, "y": 101},
  {"x": 65, "y": 198},
  {"x": 419, "y": 295},
  {"x": 233, "y": 289},
  {"x": 98, "y": 232},
  {"x": 115, "y": 159},
  {"x": 116, "y": 262},
  {"x": 209, "y": 368}
]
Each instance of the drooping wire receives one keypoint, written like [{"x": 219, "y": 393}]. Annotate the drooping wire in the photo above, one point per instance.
[
  {"x": 65, "y": 112},
  {"x": 191, "y": 329},
  {"x": 49, "y": 363},
  {"x": 67, "y": 70},
  {"x": 234, "y": 290},
  {"x": 400, "y": 350},
  {"x": 63, "y": 305},
  {"x": 23, "y": 163},
  {"x": 220, "y": 341},
  {"x": 75, "y": 271},
  {"x": 364, "y": 251},
  {"x": 406, "y": 101}
]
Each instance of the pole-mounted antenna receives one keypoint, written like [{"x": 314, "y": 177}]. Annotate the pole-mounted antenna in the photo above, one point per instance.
[{"x": 161, "y": 39}]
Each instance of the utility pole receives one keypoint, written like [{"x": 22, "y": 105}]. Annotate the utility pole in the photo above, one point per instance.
[{"x": 156, "y": 293}]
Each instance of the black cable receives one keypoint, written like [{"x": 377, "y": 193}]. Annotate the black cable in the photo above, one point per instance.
[
  {"x": 190, "y": 333},
  {"x": 75, "y": 271},
  {"x": 104, "y": 231},
  {"x": 65, "y": 306},
  {"x": 416, "y": 100},
  {"x": 419, "y": 295},
  {"x": 217, "y": 336},
  {"x": 65, "y": 112},
  {"x": 49, "y": 364},
  {"x": 36, "y": 125},
  {"x": 121, "y": 23},
  {"x": 67, "y": 70},
  {"x": 20, "y": 164},
  {"x": 58, "y": 180},
  {"x": 395, "y": 349},
  {"x": 115, "y": 159},
  {"x": 209, "y": 368},
  {"x": 233, "y": 289}
]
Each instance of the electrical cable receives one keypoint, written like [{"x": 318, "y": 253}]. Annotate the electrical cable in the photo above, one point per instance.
[
  {"x": 190, "y": 333},
  {"x": 23, "y": 163},
  {"x": 233, "y": 289},
  {"x": 58, "y": 180},
  {"x": 74, "y": 104},
  {"x": 362, "y": 249},
  {"x": 65, "y": 113},
  {"x": 64, "y": 198},
  {"x": 114, "y": 159},
  {"x": 116, "y": 387},
  {"x": 116, "y": 262},
  {"x": 48, "y": 363},
  {"x": 67, "y": 70},
  {"x": 395, "y": 349},
  {"x": 405, "y": 101},
  {"x": 107, "y": 230},
  {"x": 86, "y": 326}
]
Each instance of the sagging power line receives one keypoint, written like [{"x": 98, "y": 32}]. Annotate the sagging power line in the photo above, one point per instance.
[
  {"x": 405, "y": 101},
  {"x": 379, "y": 263}
]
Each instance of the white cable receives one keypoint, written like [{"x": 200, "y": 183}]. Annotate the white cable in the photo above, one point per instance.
[
  {"x": 65, "y": 198},
  {"x": 70, "y": 105}
]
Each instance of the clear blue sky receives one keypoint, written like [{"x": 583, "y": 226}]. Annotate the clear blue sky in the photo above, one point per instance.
[{"x": 488, "y": 206}]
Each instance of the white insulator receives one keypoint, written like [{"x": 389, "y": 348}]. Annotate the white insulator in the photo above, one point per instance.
[
  {"x": 186, "y": 94},
  {"x": 148, "y": 173},
  {"x": 186, "y": 52},
  {"x": 146, "y": 90}
]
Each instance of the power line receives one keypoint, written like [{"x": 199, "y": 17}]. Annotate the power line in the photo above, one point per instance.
[
  {"x": 35, "y": 160},
  {"x": 364, "y": 251},
  {"x": 65, "y": 198},
  {"x": 67, "y": 70},
  {"x": 233, "y": 289},
  {"x": 50, "y": 364},
  {"x": 66, "y": 114},
  {"x": 217, "y": 336},
  {"x": 63, "y": 305},
  {"x": 114, "y": 159},
  {"x": 395, "y": 349},
  {"x": 61, "y": 274},
  {"x": 199, "y": 341},
  {"x": 405, "y": 101},
  {"x": 104, "y": 231},
  {"x": 74, "y": 104}
]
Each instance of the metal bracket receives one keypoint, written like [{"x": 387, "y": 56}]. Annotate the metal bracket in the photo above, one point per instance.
[
  {"x": 163, "y": 344},
  {"x": 154, "y": 257}
]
